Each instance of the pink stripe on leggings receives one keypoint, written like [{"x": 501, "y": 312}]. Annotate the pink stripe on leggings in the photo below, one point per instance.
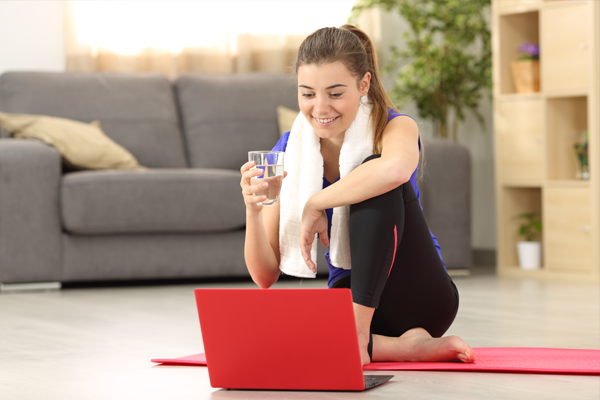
[{"x": 395, "y": 248}]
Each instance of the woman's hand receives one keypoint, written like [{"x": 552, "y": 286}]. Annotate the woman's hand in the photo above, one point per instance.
[
  {"x": 248, "y": 189},
  {"x": 313, "y": 221}
]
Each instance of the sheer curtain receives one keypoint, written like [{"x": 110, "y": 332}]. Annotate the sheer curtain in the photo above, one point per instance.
[{"x": 172, "y": 37}]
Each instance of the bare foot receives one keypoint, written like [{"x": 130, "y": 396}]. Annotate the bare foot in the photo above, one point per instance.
[{"x": 417, "y": 345}]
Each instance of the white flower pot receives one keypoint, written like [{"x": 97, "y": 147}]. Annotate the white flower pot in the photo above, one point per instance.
[{"x": 530, "y": 255}]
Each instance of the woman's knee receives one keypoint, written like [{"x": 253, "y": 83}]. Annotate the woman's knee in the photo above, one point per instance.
[
  {"x": 371, "y": 157},
  {"x": 405, "y": 191}
]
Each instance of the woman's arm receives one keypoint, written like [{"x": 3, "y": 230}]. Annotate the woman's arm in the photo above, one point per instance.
[
  {"x": 399, "y": 159},
  {"x": 261, "y": 247}
]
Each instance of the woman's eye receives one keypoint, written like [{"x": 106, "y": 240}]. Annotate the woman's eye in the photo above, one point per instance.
[
  {"x": 335, "y": 95},
  {"x": 307, "y": 95}
]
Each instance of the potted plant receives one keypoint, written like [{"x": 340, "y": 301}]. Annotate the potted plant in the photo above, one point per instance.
[
  {"x": 446, "y": 63},
  {"x": 581, "y": 150},
  {"x": 529, "y": 249},
  {"x": 526, "y": 70}
]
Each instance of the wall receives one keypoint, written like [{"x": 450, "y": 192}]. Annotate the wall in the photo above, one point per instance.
[
  {"x": 480, "y": 143},
  {"x": 31, "y": 35}
]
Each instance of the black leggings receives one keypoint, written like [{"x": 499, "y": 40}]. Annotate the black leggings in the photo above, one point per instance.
[{"x": 396, "y": 267}]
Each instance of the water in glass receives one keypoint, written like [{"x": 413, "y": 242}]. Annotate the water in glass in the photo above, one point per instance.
[{"x": 273, "y": 175}]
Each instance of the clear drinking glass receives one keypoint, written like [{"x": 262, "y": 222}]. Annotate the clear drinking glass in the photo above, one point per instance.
[{"x": 271, "y": 162}]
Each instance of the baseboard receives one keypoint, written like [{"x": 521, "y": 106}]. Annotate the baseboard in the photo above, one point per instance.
[
  {"x": 25, "y": 287},
  {"x": 459, "y": 271}
]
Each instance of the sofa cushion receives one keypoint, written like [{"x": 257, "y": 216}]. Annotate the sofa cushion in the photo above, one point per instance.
[
  {"x": 152, "y": 201},
  {"x": 80, "y": 145},
  {"x": 136, "y": 110},
  {"x": 225, "y": 116}
]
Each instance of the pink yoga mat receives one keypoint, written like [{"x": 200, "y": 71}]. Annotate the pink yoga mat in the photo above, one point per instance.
[{"x": 489, "y": 359}]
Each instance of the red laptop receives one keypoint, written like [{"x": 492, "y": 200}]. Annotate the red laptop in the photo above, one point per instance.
[{"x": 282, "y": 339}]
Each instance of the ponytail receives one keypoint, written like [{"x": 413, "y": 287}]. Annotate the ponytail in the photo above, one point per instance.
[
  {"x": 378, "y": 97},
  {"x": 355, "y": 50}
]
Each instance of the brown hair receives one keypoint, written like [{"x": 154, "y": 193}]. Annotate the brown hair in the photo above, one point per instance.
[{"x": 355, "y": 50}]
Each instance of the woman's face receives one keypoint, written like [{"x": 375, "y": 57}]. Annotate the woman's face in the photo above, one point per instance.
[{"x": 329, "y": 96}]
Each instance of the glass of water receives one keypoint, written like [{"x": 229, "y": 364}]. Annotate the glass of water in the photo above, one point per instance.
[{"x": 271, "y": 162}]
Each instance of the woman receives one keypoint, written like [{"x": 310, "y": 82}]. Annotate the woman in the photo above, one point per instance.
[{"x": 404, "y": 300}]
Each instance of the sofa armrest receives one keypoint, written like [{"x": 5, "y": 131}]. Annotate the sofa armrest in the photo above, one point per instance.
[
  {"x": 30, "y": 229},
  {"x": 446, "y": 199}
]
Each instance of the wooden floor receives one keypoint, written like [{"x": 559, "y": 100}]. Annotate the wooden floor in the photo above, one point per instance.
[{"x": 96, "y": 343}]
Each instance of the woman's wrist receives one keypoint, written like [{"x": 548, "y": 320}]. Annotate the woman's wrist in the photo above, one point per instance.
[
  {"x": 252, "y": 213},
  {"x": 314, "y": 203}
]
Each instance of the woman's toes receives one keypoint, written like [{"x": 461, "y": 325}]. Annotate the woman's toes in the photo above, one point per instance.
[
  {"x": 466, "y": 355},
  {"x": 456, "y": 349}
]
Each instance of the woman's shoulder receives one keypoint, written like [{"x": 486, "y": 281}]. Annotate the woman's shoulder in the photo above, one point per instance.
[
  {"x": 393, "y": 114},
  {"x": 282, "y": 143}
]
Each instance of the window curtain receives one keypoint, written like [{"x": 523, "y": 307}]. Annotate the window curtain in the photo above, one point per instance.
[{"x": 191, "y": 36}]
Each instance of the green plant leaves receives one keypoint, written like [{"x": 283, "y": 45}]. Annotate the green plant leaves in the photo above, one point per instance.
[
  {"x": 449, "y": 55},
  {"x": 531, "y": 227}
]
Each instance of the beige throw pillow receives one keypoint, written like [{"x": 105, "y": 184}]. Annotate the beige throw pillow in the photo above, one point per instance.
[
  {"x": 285, "y": 118},
  {"x": 81, "y": 145}
]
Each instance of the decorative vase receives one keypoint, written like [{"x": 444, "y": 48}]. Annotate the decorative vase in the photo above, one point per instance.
[
  {"x": 585, "y": 173},
  {"x": 530, "y": 255},
  {"x": 526, "y": 75}
]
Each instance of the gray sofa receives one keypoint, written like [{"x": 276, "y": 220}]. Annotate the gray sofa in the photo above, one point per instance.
[{"x": 183, "y": 217}]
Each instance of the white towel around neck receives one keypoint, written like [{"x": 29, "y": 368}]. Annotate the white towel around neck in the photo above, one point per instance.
[{"x": 304, "y": 165}]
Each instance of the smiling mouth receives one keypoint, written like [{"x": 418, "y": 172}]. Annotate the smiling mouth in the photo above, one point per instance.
[{"x": 326, "y": 121}]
